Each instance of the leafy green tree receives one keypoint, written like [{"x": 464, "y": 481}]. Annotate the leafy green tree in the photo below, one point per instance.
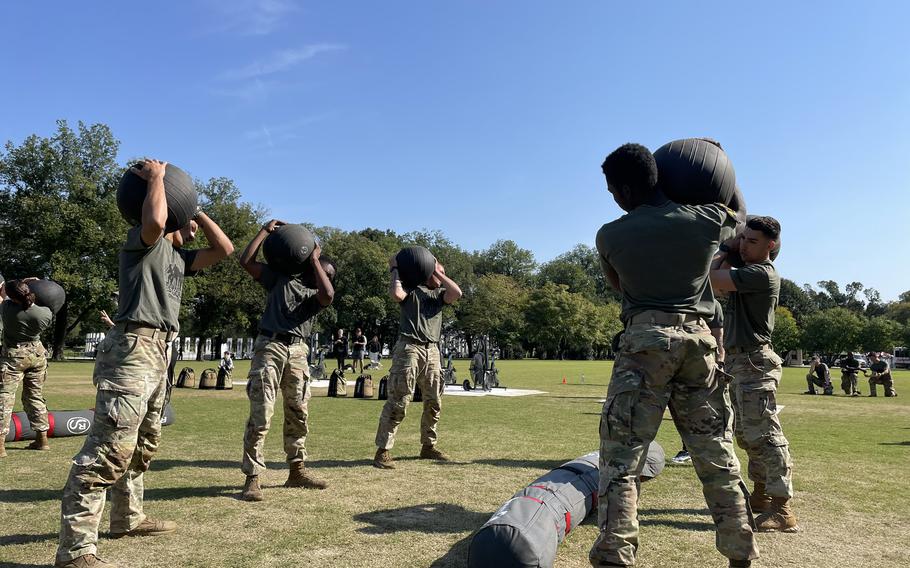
[
  {"x": 796, "y": 299},
  {"x": 880, "y": 334},
  {"x": 570, "y": 274},
  {"x": 899, "y": 311},
  {"x": 506, "y": 257},
  {"x": 496, "y": 308},
  {"x": 223, "y": 300},
  {"x": 786, "y": 336},
  {"x": 59, "y": 218},
  {"x": 832, "y": 331}
]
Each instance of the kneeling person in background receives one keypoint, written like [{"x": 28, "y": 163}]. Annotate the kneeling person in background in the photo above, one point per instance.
[
  {"x": 280, "y": 362},
  {"x": 415, "y": 361},
  {"x": 881, "y": 375}
]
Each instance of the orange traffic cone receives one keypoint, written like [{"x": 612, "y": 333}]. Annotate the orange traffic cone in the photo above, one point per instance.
[{"x": 563, "y": 380}]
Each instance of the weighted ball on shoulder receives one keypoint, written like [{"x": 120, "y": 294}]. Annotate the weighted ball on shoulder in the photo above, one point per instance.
[
  {"x": 415, "y": 265},
  {"x": 179, "y": 190},
  {"x": 695, "y": 171},
  {"x": 287, "y": 249},
  {"x": 48, "y": 294}
]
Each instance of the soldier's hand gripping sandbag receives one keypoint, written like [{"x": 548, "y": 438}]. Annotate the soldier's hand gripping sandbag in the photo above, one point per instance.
[{"x": 179, "y": 190}]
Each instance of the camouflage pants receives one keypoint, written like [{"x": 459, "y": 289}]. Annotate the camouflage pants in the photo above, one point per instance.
[
  {"x": 758, "y": 431},
  {"x": 885, "y": 380},
  {"x": 656, "y": 365},
  {"x": 25, "y": 363},
  {"x": 848, "y": 383},
  {"x": 412, "y": 364},
  {"x": 276, "y": 366},
  {"x": 131, "y": 374}
]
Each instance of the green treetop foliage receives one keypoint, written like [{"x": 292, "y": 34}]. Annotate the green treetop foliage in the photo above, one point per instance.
[
  {"x": 880, "y": 334},
  {"x": 496, "y": 308},
  {"x": 506, "y": 257},
  {"x": 786, "y": 334},
  {"x": 832, "y": 331},
  {"x": 59, "y": 218}
]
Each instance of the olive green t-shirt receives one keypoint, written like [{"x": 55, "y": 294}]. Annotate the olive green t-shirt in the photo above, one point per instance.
[
  {"x": 750, "y": 310},
  {"x": 21, "y": 325},
  {"x": 879, "y": 367},
  {"x": 151, "y": 281},
  {"x": 421, "y": 314},
  {"x": 717, "y": 320},
  {"x": 662, "y": 255},
  {"x": 290, "y": 306}
]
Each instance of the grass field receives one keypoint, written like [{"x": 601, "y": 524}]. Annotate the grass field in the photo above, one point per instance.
[{"x": 851, "y": 475}]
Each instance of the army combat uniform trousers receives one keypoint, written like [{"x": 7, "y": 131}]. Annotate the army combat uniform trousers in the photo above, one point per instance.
[
  {"x": 131, "y": 377},
  {"x": 413, "y": 363},
  {"x": 756, "y": 375},
  {"x": 276, "y": 366},
  {"x": 24, "y": 363},
  {"x": 659, "y": 363},
  {"x": 884, "y": 379}
]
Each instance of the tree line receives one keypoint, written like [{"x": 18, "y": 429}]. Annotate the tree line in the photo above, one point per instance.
[{"x": 59, "y": 219}]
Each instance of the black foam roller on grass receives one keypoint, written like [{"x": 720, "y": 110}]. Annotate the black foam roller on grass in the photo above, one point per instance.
[
  {"x": 287, "y": 249},
  {"x": 415, "y": 265},
  {"x": 179, "y": 190},
  {"x": 695, "y": 172},
  {"x": 48, "y": 294}
]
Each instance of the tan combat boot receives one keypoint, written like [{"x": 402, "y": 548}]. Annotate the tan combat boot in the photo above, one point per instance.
[
  {"x": 432, "y": 453},
  {"x": 779, "y": 518},
  {"x": 87, "y": 561},
  {"x": 40, "y": 442},
  {"x": 149, "y": 527},
  {"x": 251, "y": 489},
  {"x": 299, "y": 476},
  {"x": 383, "y": 459},
  {"x": 2, "y": 447},
  {"x": 759, "y": 500}
]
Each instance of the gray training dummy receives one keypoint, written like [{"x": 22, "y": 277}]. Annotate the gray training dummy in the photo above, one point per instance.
[{"x": 527, "y": 529}]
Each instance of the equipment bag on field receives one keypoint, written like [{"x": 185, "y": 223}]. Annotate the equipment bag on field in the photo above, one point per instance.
[
  {"x": 384, "y": 388},
  {"x": 338, "y": 386},
  {"x": 186, "y": 379},
  {"x": 363, "y": 387},
  {"x": 209, "y": 379},
  {"x": 225, "y": 380}
]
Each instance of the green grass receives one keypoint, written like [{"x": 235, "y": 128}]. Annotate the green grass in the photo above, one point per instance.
[{"x": 850, "y": 474}]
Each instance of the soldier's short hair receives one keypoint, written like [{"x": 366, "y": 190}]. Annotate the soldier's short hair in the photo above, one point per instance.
[
  {"x": 769, "y": 226},
  {"x": 632, "y": 165}
]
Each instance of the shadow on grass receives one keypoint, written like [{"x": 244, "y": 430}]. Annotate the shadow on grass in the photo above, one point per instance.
[
  {"x": 155, "y": 494},
  {"x": 162, "y": 465},
  {"x": 13, "y": 539},
  {"x": 907, "y": 443},
  {"x": 646, "y": 519},
  {"x": 457, "y": 556},
  {"x": 536, "y": 464},
  {"x": 427, "y": 518}
]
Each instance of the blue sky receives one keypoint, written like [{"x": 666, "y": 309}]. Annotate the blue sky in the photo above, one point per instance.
[{"x": 489, "y": 120}]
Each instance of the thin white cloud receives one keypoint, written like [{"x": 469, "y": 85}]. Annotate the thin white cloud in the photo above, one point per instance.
[
  {"x": 249, "y": 17},
  {"x": 272, "y": 136},
  {"x": 278, "y": 62}
]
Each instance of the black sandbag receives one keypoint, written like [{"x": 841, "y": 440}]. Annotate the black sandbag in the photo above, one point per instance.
[
  {"x": 383, "y": 393},
  {"x": 288, "y": 248},
  {"x": 695, "y": 171},
  {"x": 415, "y": 266},
  {"x": 209, "y": 379},
  {"x": 48, "y": 294},
  {"x": 64, "y": 423},
  {"x": 179, "y": 190}
]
